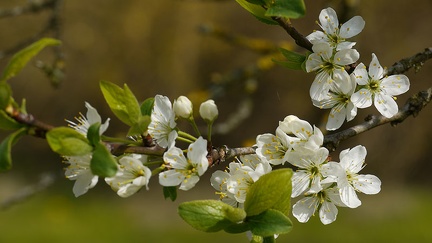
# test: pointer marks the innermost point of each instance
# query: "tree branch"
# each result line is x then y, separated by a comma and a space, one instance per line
412, 107
299, 39
415, 61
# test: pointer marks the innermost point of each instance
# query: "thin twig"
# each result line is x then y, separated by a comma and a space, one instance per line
299, 39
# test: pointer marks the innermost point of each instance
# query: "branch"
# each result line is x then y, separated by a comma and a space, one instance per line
415, 61
412, 107
300, 40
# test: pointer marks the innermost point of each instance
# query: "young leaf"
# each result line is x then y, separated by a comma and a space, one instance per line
20, 59
102, 162
68, 142
140, 127
122, 102
210, 215
292, 9
256, 10
170, 192
147, 106
271, 191
5, 95
93, 135
269, 223
7, 123
6, 147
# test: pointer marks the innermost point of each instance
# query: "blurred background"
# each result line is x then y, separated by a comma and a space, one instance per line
205, 48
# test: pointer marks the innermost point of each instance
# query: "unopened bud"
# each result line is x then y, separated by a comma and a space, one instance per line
208, 111
183, 107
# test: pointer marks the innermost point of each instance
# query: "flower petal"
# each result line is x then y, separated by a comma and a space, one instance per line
317, 37
353, 160
395, 84
360, 74
328, 212
300, 182
197, 153
170, 178
375, 69
305, 208
84, 182
386, 105
189, 183
349, 196
368, 184
346, 57
329, 21
352, 27
362, 98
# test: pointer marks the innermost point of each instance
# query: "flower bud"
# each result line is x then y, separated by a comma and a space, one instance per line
208, 111
183, 107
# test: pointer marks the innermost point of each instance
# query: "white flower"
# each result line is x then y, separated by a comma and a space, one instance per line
208, 111
185, 171
305, 136
273, 148
162, 125
339, 101
234, 185
79, 171
183, 107
329, 66
378, 88
352, 161
334, 35
309, 175
84, 122
324, 201
131, 175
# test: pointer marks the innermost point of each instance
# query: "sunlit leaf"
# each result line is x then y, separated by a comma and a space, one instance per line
6, 147
147, 106
68, 142
291, 9
256, 10
269, 223
5, 95
20, 59
210, 215
103, 162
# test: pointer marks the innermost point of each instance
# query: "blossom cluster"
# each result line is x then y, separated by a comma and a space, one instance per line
133, 170
322, 184
333, 87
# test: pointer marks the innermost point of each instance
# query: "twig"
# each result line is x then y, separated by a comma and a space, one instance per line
412, 107
415, 61
299, 39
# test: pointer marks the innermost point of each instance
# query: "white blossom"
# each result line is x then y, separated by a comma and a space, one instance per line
334, 34
377, 88
301, 134
84, 122
185, 171
183, 107
79, 171
162, 125
273, 148
131, 175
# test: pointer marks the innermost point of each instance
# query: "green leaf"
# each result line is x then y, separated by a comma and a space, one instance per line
269, 223
5, 95
147, 106
68, 142
170, 192
7, 123
122, 102
20, 59
291, 9
103, 162
140, 127
256, 10
93, 135
271, 191
257, 2
210, 215
6, 147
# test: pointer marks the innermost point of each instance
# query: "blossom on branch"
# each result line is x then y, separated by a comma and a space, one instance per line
377, 88
84, 122
80, 172
334, 34
185, 171
162, 125
131, 175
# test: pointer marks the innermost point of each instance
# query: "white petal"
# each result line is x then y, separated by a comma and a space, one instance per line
187, 184
170, 178
300, 182
128, 190
345, 45
305, 208
353, 160
313, 62
352, 27
84, 182
375, 70
92, 114
197, 153
336, 118
395, 84
320, 86
351, 110
360, 74
317, 37
328, 212
362, 98
329, 20
346, 57
368, 184
386, 105
349, 197
324, 50
175, 158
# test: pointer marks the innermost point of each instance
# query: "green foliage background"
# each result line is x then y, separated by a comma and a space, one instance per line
155, 48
